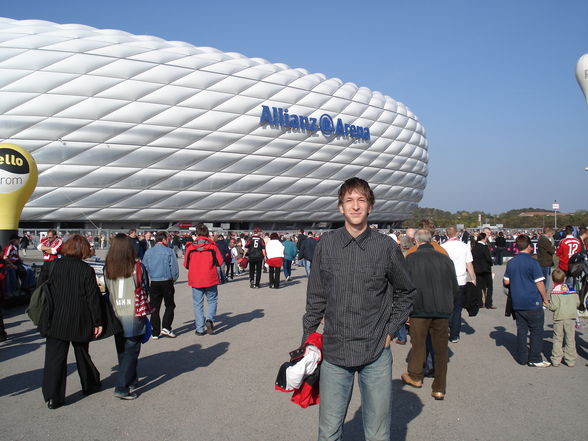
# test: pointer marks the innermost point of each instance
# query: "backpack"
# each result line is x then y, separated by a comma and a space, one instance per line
578, 264
40, 309
199, 249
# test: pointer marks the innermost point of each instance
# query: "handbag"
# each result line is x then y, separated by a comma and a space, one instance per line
142, 305
40, 309
110, 323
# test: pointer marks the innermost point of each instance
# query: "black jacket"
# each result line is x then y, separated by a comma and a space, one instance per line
482, 258
433, 274
307, 248
76, 300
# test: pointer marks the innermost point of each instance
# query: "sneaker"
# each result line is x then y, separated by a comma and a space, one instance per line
155, 337
454, 339
541, 364
251, 285
167, 333
125, 395
199, 333
570, 363
209, 327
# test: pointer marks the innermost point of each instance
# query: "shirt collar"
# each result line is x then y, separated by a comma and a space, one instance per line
345, 238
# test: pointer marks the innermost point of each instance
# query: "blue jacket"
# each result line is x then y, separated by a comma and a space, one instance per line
290, 250
161, 263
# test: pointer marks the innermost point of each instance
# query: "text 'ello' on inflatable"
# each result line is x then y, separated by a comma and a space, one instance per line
18, 179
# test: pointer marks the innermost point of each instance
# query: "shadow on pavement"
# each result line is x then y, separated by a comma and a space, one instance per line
223, 322
29, 381
20, 343
159, 368
466, 328
406, 406
506, 339
227, 321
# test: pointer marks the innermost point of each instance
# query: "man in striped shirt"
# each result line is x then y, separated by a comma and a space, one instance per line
50, 246
360, 287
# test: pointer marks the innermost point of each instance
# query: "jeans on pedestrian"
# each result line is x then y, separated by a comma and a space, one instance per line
287, 268
547, 274
402, 333
455, 318
127, 349
529, 323
375, 384
198, 295
307, 264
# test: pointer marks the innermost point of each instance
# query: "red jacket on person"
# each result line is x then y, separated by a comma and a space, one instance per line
199, 261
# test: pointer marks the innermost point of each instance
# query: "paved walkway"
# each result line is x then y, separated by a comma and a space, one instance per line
220, 388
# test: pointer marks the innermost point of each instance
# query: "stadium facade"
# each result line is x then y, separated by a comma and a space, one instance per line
131, 129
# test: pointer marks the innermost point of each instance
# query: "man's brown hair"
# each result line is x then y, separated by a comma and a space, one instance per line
360, 186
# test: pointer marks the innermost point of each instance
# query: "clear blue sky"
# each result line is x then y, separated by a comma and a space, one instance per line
492, 82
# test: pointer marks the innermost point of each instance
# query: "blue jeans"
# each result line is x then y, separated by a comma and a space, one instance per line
127, 349
529, 322
547, 274
455, 318
375, 384
287, 268
401, 333
198, 294
307, 264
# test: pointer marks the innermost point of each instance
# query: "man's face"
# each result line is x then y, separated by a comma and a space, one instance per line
50, 236
148, 235
355, 208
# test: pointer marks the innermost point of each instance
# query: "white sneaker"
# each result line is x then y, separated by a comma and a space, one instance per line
541, 364
167, 333
154, 337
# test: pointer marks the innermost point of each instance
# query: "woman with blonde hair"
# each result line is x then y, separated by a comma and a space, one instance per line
123, 273
76, 318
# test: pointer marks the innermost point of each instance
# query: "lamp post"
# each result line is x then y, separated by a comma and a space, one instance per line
555, 207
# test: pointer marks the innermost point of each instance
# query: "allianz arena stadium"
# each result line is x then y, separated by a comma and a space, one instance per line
132, 129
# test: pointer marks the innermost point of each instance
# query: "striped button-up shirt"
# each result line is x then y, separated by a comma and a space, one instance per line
362, 289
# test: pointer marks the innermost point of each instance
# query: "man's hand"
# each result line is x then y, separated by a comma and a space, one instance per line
388, 341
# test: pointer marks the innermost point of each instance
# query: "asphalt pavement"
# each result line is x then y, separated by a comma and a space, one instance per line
221, 387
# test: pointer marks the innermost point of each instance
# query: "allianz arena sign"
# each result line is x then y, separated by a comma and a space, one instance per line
136, 128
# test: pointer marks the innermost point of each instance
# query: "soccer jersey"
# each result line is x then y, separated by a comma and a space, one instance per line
566, 249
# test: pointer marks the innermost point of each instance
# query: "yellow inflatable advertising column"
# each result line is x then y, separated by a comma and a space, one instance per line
18, 179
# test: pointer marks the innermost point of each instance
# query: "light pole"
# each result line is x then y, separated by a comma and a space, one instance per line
555, 207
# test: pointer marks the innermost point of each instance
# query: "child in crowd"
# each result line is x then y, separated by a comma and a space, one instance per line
564, 304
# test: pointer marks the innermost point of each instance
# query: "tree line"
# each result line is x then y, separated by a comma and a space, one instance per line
509, 219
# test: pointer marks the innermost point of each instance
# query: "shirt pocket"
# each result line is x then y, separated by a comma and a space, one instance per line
374, 277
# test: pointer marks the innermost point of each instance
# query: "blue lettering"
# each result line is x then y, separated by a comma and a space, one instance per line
281, 116
339, 131
266, 116
276, 119
304, 122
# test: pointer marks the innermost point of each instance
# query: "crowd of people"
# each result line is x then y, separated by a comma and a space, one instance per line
433, 274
